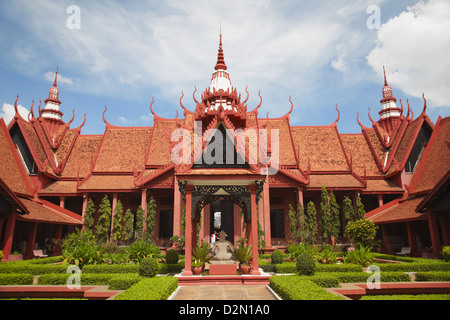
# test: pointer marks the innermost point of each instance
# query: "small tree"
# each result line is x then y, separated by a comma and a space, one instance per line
128, 226
103, 227
150, 220
311, 222
297, 224
349, 211
139, 224
360, 212
118, 222
335, 216
325, 219
88, 222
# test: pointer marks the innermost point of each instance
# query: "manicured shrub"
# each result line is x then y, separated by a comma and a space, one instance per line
299, 288
30, 268
148, 267
342, 267
123, 281
430, 265
433, 276
446, 254
172, 256
306, 264
111, 268
7, 279
157, 288
286, 267
277, 256
165, 268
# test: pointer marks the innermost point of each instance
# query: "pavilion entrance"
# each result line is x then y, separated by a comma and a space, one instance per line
222, 218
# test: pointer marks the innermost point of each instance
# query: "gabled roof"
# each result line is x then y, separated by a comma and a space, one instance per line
435, 161
12, 171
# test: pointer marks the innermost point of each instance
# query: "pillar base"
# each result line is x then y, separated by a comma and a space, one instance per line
187, 273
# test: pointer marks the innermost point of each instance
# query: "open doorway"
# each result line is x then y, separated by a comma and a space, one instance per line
222, 218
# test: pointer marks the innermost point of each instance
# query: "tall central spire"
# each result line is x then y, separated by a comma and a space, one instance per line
220, 65
220, 78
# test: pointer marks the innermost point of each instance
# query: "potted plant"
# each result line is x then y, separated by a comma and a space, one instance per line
197, 267
244, 255
200, 257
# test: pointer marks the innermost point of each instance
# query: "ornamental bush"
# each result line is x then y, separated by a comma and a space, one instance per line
306, 264
172, 256
158, 288
362, 232
148, 267
277, 256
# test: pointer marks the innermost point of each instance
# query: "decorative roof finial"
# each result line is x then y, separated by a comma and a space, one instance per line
220, 65
385, 79
55, 83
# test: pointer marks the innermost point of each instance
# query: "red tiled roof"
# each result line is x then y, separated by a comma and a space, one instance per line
59, 187
435, 162
123, 150
44, 211
363, 162
81, 156
397, 211
12, 171
334, 181
107, 182
382, 186
160, 143
321, 147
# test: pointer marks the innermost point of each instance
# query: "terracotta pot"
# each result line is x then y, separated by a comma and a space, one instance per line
245, 269
197, 270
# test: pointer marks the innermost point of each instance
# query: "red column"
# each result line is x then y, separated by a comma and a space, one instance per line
58, 236
62, 200
9, 233
31, 240
85, 204
266, 199
300, 196
114, 204
237, 222
144, 207
177, 209
253, 230
434, 233
188, 232
380, 200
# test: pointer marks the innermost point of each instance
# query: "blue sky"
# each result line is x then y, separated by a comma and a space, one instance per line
321, 53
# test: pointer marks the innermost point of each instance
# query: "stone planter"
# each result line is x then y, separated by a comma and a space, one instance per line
245, 269
197, 270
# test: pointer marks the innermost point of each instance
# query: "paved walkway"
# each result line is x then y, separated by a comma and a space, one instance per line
224, 292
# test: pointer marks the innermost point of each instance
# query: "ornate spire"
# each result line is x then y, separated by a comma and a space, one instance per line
387, 90
389, 111
53, 94
220, 65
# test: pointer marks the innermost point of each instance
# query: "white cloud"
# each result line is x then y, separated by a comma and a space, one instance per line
414, 47
8, 112
50, 77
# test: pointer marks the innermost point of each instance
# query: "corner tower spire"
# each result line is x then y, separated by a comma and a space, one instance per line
51, 113
389, 110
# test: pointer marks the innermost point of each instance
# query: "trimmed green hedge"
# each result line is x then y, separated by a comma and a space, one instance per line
166, 268
415, 266
32, 268
290, 267
115, 281
8, 279
111, 268
156, 288
299, 288
333, 279
433, 276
